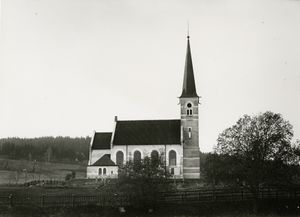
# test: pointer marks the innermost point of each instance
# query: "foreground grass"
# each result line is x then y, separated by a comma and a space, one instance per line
111, 212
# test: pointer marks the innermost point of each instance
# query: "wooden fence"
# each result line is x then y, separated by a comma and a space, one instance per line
114, 200
232, 194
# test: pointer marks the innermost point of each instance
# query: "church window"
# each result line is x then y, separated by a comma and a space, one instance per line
189, 110
100, 171
172, 158
172, 171
104, 171
190, 132
120, 158
154, 155
137, 156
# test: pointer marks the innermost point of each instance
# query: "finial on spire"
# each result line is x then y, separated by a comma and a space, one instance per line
188, 30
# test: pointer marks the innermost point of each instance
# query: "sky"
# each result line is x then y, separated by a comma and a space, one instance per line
69, 66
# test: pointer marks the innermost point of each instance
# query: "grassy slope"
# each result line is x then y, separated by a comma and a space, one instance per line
17, 171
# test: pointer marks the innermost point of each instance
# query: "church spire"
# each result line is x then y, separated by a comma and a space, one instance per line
189, 87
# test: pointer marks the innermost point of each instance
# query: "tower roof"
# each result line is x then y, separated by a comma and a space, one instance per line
189, 87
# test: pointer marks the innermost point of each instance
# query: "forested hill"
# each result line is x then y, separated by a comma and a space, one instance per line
49, 149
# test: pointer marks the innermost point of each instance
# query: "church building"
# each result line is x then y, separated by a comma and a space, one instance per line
175, 140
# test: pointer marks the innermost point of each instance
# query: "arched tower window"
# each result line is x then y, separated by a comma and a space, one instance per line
100, 171
172, 158
104, 171
137, 156
120, 158
190, 132
189, 110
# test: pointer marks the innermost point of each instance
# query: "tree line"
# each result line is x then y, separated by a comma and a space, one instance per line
49, 149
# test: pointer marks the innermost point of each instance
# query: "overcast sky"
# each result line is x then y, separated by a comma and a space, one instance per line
69, 66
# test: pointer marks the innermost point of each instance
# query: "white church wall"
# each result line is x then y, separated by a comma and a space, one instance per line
146, 151
93, 172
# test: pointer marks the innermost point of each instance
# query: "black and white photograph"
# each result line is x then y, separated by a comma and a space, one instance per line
149, 108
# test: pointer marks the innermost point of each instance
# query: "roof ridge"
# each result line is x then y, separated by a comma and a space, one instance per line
102, 132
151, 120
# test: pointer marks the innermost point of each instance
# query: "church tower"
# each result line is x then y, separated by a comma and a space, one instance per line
189, 101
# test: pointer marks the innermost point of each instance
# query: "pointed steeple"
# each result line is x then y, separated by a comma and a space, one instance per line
189, 87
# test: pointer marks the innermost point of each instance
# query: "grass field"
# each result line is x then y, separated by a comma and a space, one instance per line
20, 171
96, 212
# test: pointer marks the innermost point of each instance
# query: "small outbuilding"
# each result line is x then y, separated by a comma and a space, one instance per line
103, 168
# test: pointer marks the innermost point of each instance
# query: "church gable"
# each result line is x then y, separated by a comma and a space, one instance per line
147, 132
104, 161
101, 141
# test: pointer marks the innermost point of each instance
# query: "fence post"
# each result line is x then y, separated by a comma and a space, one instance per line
42, 200
242, 194
73, 200
10, 197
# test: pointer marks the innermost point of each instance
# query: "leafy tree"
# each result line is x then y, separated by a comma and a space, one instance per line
143, 180
260, 149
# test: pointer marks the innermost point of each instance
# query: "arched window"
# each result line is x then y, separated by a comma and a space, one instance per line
190, 132
120, 158
154, 155
189, 110
100, 171
104, 171
137, 156
172, 158
154, 158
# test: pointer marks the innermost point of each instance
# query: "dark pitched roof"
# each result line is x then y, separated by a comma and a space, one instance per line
104, 161
189, 87
101, 141
147, 132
